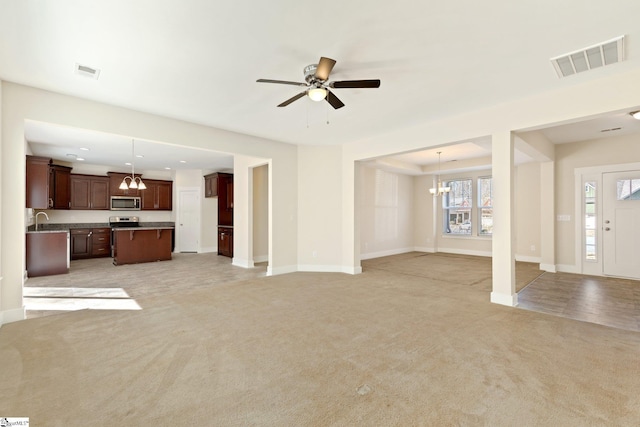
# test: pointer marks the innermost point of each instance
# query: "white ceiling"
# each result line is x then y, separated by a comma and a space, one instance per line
198, 60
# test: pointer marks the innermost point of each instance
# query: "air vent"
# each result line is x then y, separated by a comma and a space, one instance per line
86, 71
595, 56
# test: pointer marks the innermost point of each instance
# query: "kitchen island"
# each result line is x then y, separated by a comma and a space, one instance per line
132, 245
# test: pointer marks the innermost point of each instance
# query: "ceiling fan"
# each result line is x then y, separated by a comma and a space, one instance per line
317, 85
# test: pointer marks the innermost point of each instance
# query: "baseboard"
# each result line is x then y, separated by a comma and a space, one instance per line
550, 268
371, 255
465, 252
424, 249
244, 263
524, 258
504, 299
208, 249
330, 269
260, 258
275, 271
566, 268
15, 315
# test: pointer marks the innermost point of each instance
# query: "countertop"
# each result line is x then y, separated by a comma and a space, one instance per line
47, 231
42, 227
141, 228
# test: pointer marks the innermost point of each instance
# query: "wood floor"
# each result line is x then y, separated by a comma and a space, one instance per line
602, 300
606, 301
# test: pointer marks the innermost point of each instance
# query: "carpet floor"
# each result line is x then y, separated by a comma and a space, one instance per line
380, 348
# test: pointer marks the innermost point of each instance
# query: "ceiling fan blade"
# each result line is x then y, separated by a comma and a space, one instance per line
355, 84
324, 68
334, 101
282, 82
294, 98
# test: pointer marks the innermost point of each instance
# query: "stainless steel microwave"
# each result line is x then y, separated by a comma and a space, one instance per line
125, 203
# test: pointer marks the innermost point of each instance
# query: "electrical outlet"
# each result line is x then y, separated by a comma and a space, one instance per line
533, 248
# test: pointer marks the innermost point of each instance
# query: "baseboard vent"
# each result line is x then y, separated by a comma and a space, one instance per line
591, 57
87, 71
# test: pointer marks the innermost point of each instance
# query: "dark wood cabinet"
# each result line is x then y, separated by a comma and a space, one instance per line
89, 192
220, 185
157, 196
59, 187
225, 241
48, 186
80, 243
101, 242
135, 246
90, 242
211, 185
46, 254
37, 182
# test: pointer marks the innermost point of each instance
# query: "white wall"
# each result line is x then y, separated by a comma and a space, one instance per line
319, 209
527, 195
34, 104
386, 212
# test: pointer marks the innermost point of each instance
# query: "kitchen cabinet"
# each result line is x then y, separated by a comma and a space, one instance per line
101, 242
48, 186
132, 246
89, 192
225, 241
80, 243
59, 187
47, 253
37, 182
211, 185
157, 196
115, 179
220, 185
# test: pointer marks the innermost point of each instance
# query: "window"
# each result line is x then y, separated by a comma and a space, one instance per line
457, 205
628, 189
590, 246
485, 205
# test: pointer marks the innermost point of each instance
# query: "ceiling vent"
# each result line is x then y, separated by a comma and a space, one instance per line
87, 71
595, 56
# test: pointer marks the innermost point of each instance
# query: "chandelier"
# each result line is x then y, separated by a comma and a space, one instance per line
135, 182
440, 189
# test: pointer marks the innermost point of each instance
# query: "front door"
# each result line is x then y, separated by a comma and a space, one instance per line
621, 224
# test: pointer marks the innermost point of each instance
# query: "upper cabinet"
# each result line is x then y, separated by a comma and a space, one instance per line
59, 187
89, 192
157, 196
37, 182
220, 185
48, 186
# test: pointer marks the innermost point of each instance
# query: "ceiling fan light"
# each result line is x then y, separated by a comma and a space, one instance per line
133, 184
123, 185
141, 186
317, 94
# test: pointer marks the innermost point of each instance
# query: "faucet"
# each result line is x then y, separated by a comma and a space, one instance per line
43, 213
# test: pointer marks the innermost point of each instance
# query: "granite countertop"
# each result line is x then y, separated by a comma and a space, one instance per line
46, 231
142, 228
42, 227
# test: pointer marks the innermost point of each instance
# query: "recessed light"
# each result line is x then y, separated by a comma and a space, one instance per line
168, 168
84, 149
183, 161
128, 163
140, 156
80, 159
635, 115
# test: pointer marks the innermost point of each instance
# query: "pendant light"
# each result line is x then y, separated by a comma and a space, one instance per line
440, 189
135, 182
